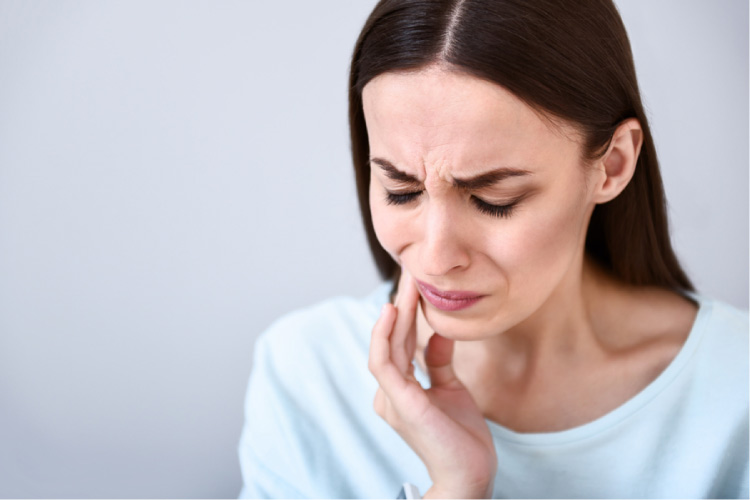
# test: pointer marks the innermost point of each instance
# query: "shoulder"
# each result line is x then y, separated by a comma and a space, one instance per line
723, 334
688, 326
716, 396
324, 330
714, 364
318, 353
309, 397
725, 317
700, 345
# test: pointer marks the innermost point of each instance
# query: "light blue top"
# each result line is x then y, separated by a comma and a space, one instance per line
311, 430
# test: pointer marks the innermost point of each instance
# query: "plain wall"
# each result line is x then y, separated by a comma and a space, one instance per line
175, 174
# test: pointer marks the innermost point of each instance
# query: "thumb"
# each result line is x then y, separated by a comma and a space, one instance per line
438, 359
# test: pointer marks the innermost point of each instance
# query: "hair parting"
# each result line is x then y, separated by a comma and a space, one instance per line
569, 60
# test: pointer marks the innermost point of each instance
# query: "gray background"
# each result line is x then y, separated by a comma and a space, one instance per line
175, 175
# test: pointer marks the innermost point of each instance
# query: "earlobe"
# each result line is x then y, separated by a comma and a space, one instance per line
619, 162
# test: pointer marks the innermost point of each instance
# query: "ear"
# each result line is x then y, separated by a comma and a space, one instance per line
618, 163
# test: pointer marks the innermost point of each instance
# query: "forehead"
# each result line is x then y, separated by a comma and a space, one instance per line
449, 117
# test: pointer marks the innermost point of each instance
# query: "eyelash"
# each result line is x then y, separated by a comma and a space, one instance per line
482, 206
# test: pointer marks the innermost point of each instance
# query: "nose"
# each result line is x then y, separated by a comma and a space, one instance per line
443, 247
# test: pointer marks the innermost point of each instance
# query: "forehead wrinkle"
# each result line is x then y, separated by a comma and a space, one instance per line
436, 161
435, 124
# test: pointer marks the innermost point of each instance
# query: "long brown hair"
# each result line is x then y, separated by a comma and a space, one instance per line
570, 59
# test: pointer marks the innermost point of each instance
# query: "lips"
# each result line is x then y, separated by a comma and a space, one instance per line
452, 300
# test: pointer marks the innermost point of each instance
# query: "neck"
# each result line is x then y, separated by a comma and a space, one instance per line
566, 320
570, 325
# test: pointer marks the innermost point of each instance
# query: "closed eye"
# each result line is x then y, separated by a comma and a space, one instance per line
493, 210
401, 198
479, 204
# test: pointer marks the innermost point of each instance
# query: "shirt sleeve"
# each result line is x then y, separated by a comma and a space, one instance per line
267, 452
260, 482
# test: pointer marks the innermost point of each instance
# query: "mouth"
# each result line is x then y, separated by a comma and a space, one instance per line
452, 300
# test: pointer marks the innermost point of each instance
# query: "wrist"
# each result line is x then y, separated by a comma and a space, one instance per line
475, 491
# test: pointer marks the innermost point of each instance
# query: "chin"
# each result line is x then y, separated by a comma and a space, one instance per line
457, 326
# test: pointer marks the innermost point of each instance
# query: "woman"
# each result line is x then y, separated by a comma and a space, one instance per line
543, 340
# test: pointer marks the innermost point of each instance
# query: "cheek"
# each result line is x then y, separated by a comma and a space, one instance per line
543, 245
390, 229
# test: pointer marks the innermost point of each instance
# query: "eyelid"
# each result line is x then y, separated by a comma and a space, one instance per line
498, 202
503, 210
394, 184
495, 210
392, 198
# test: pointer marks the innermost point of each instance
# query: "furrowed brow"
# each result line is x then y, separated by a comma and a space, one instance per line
393, 173
474, 183
489, 178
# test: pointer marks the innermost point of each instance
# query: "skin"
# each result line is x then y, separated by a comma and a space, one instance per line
555, 341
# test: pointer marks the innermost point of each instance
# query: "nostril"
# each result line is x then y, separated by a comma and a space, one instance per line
438, 260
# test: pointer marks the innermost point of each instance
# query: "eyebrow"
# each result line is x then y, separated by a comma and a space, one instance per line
473, 183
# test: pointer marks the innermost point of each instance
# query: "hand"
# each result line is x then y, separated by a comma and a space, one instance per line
443, 424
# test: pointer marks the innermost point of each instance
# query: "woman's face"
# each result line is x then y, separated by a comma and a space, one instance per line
483, 201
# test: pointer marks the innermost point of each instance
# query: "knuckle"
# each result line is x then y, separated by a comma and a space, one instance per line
395, 422
373, 366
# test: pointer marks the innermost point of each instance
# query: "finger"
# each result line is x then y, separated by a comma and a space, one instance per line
380, 350
423, 333
379, 403
439, 361
408, 295
404, 333
380, 363
406, 404
401, 393
385, 410
410, 348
